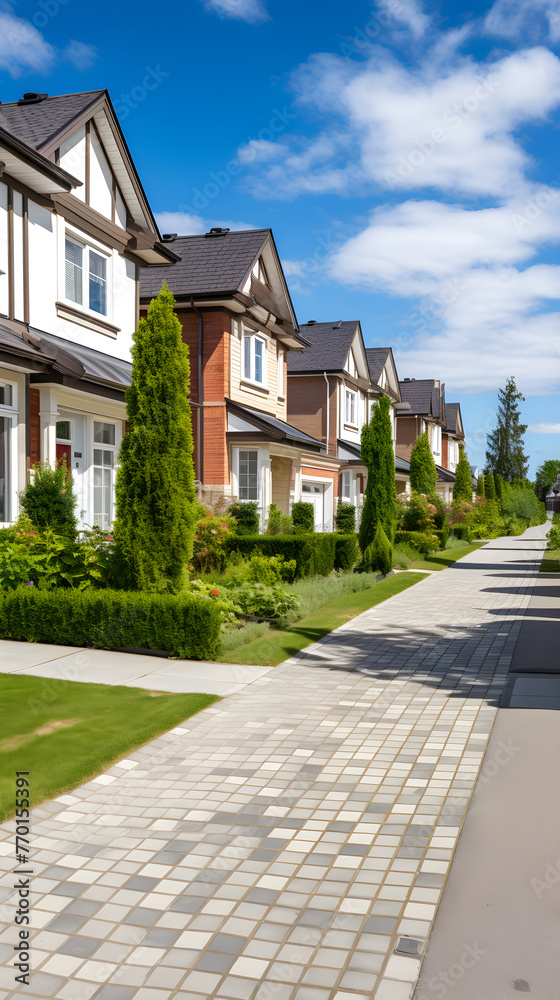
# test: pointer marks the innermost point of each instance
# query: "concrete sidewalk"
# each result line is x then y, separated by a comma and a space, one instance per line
100, 666
291, 842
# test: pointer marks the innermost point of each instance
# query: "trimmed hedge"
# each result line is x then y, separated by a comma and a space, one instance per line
187, 626
346, 551
345, 518
314, 554
462, 531
303, 516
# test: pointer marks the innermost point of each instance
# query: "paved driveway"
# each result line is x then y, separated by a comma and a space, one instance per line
291, 842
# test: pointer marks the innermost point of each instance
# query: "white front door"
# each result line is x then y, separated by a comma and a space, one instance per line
315, 493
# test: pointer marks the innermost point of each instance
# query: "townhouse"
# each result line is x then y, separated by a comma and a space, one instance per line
75, 231
423, 411
238, 320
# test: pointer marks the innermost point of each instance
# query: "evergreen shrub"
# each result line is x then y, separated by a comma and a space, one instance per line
186, 626
346, 551
49, 500
378, 556
345, 518
303, 516
314, 554
246, 514
423, 541
423, 472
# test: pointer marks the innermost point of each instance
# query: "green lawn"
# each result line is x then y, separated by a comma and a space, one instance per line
551, 561
66, 732
278, 645
445, 557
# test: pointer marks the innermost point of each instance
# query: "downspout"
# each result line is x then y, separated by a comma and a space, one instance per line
326, 378
200, 406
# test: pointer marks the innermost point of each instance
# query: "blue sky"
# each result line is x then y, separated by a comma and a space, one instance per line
406, 157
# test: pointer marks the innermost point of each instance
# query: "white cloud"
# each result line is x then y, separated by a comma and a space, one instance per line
260, 151
81, 55
252, 11
185, 224
544, 428
22, 47
409, 13
528, 20
451, 126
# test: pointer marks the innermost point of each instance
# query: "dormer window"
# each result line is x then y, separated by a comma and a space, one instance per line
259, 271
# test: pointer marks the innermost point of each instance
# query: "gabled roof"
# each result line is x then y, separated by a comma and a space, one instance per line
425, 395
377, 357
207, 265
329, 344
268, 424
453, 419
38, 124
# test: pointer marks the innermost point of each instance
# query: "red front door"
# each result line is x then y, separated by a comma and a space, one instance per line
64, 451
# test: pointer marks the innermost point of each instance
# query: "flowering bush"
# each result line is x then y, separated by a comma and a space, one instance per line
210, 534
417, 513
45, 559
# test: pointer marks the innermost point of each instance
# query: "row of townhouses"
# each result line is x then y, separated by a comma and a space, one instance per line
278, 407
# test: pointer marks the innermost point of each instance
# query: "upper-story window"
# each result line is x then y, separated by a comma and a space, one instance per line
85, 276
259, 271
254, 358
351, 365
350, 410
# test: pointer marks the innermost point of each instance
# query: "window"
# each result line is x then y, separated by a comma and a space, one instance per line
351, 364
280, 383
103, 474
347, 486
63, 432
260, 272
248, 475
85, 277
350, 412
253, 359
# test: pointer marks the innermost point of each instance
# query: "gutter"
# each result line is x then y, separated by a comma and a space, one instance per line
200, 404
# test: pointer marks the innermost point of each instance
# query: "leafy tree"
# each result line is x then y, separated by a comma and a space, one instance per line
546, 476
499, 487
480, 487
489, 486
505, 444
462, 489
49, 500
156, 502
379, 460
423, 472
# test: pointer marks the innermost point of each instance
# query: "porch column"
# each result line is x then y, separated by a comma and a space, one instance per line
48, 415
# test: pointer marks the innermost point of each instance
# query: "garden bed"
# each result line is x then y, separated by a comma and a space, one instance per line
445, 557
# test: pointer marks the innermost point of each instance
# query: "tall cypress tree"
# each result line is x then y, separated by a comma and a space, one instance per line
379, 459
480, 487
489, 486
155, 495
505, 444
463, 489
423, 472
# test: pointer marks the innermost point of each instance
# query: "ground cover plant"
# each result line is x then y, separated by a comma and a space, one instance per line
66, 732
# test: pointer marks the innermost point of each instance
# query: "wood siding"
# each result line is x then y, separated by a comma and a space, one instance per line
407, 428
281, 482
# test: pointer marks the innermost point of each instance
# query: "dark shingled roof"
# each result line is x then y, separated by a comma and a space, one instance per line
452, 410
401, 464
376, 358
207, 264
424, 396
278, 429
329, 346
38, 124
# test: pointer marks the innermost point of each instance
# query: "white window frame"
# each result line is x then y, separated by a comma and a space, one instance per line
9, 411
248, 499
280, 372
87, 247
251, 338
350, 396
114, 449
346, 488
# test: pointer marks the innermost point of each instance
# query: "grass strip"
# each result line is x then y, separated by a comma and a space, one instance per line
279, 644
445, 557
66, 732
551, 561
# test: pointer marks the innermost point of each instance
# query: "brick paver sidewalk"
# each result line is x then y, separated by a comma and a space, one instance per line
291, 842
